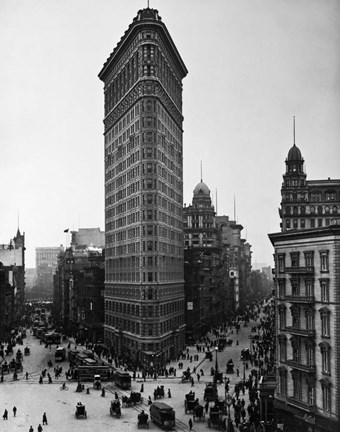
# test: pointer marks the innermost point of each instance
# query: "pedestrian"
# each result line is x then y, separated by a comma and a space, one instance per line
169, 393
44, 419
192, 382
142, 388
190, 423
14, 411
40, 379
5, 416
40, 429
31, 429
237, 372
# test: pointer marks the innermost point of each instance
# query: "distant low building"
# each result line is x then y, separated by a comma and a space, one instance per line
79, 286
46, 259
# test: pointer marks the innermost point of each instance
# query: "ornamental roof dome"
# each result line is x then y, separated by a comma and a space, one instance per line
294, 154
202, 189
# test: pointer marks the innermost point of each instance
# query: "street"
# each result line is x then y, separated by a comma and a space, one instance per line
33, 399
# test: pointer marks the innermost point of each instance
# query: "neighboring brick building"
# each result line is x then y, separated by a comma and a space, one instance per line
12, 256
307, 279
78, 296
202, 254
217, 265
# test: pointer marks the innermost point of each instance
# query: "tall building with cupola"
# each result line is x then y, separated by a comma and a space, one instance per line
144, 286
217, 265
307, 280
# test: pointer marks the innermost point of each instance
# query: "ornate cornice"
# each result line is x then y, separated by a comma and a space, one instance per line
143, 88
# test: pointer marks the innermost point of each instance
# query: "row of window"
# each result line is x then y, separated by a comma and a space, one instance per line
308, 260
305, 291
308, 317
311, 223
304, 389
306, 210
307, 356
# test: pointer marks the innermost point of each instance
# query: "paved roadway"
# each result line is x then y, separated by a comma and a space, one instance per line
32, 399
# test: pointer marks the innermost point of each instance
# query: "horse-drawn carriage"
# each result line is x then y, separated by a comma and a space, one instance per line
115, 408
186, 376
159, 393
245, 354
210, 391
208, 355
15, 365
215, 418
134, 399
218, 376
143, 420
80, 411
9, 349
18, 355
27, 351
230, 366
199, 414
190, 402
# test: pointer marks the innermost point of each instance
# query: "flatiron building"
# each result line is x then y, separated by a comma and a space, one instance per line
144, 280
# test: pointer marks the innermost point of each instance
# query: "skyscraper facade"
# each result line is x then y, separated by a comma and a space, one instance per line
144, 281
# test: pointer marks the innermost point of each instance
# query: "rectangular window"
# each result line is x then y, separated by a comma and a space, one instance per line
296, 387
311, 395
282, 288
324, 261
324, 284
295, 259
325, 325
283, 350
295, 288
283, 383
326, 398
281, 263
282, 319
309, 259
326, 361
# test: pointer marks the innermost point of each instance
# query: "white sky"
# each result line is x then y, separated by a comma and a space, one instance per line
253, 65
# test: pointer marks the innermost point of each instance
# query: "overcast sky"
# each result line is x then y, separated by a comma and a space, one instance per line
253, 65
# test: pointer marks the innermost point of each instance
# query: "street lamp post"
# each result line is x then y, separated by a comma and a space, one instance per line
216, 366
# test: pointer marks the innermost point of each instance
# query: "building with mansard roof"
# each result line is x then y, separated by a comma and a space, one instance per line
307, 281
